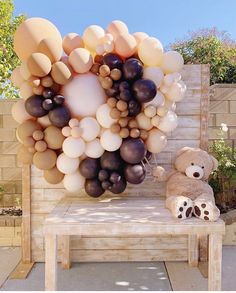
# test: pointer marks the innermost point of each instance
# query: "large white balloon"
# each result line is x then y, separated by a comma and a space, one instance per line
73, 147
156, 141
67, 165
110, 141
84, 94
92, 35
103, 116
176, 91
90, 128
158, 100
172, 62
150, 51
94, 149
168, 122
74, 182
155, 74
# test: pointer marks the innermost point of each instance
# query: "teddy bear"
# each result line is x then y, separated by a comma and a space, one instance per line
187, 190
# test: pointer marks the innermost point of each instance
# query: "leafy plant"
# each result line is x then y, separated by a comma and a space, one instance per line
8, 58
210, 46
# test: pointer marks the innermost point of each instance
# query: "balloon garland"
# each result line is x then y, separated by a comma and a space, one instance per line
93, 115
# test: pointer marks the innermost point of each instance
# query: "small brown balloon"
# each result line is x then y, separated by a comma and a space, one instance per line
28, 141
121, 105
135, 132
76, 131
53, 137
32, 150
115, 128
115, 113
38, 135
45, 160
53, 176
124, 133
34, 81
116, 74
38, 90
60, 73
124, 113
95, 68
112, 102
133, 123
104, 70
40, 146
143, 134
107, 83
39, 64
27, 129
56, 87
123, 122
24, 156
47, 81
98, 59
51, 48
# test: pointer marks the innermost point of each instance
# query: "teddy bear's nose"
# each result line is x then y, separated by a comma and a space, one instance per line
196, 174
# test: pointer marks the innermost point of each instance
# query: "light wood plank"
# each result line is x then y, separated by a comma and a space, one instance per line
50, 262
22, 270
65, 252
193, 250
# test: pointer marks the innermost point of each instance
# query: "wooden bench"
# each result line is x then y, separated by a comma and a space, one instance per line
126, 217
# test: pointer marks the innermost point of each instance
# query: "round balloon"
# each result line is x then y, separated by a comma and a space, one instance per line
150, 51
34, 106
24, 156
60, 73
90, 128
16, 77
53, 176
144, 90
111, 161
39, 64
92, 35
67, 165
135, 174
89, 168
93, 187
94, 149
155, 74
81, 60
72, 41
172, 62
117, 27
158, 100
74, 182
125, 45
156, 141
119, 186
53, 137
60, 116
19, 112
103, 116
45, 160
110, 141
51, 48
176, 91
133, 150
73, 147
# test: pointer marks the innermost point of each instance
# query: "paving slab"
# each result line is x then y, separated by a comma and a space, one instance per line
124, 276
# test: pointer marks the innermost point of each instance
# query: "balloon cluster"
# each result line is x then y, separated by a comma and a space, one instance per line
93, 115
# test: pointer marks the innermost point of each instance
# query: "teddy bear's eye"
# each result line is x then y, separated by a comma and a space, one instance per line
192, 164
202, 167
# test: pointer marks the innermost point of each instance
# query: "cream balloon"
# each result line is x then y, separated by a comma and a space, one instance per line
168, 122
73, 182
91, 36
84, 95
26, 90
171, 78
16, 77
156, 141
155, 74
172, 62
81, 60
150, 51
110, 141
103, 116
19, 113
140, 36
44, 121
72, 41
60, 73
39, 64
51, 48
94, 149
176, 91
125, 45
143, 121
117, 27
158, 100
73, 147
90, 128
30, 33
67, 165
24, 70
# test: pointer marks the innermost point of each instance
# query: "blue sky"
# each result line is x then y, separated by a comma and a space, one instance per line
167, 20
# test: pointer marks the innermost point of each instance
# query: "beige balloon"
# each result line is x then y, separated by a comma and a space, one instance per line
24, 156
110, 141
72, 41
117, 27
140, 36
155, 74
51, 48
44, 121
19, 113
45, 160
158, 100
39, 64
67, 165
16, 77
168, 122
24, 70
90, 128
73, 147
53, 176
74, 182
150, 51
143, 121
172, 62
60, 73
103, 116
94, 149
34, 81
26, 90
92, 35
30, 33
156, 141
81, 60
27, 129
176, 91
125, 45
53, 137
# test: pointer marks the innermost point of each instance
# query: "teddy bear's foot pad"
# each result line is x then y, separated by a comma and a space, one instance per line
206, 211
183, 209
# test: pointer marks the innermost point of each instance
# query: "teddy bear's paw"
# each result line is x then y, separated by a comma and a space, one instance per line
183, 208
206, 210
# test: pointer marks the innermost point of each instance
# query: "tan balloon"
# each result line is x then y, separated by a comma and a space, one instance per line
27, 129
125, 45
81, 60
51, 48
150, 51
47, 81
24, 70
60, 73
16, 77
140, 36
53, 137
73, 122
45, 160
38, 90
39, 64
30, 33
172, 62
24, 156
144, 122
40, 146
155, 74
34, 81
156, 141
117, 28
44, 121
19, 113
53, 176
66, 131
71, 42
92, 36
26, 90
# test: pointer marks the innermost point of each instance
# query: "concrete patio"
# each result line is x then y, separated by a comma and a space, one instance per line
141, 276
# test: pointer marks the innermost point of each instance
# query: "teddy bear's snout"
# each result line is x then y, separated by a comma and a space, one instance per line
195, 172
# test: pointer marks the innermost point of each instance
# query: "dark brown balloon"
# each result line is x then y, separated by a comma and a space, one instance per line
133, 150
135, 174
89, 168
112, 60
59, 116
132, 69
34, 106
111, 161
144, 90
119, 187
93, 187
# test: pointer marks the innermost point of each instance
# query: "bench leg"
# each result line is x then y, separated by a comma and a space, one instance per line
215, 260
193, 250
50, 262
65, 252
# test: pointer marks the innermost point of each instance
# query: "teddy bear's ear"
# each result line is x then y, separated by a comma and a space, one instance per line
215, 163
181, 151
